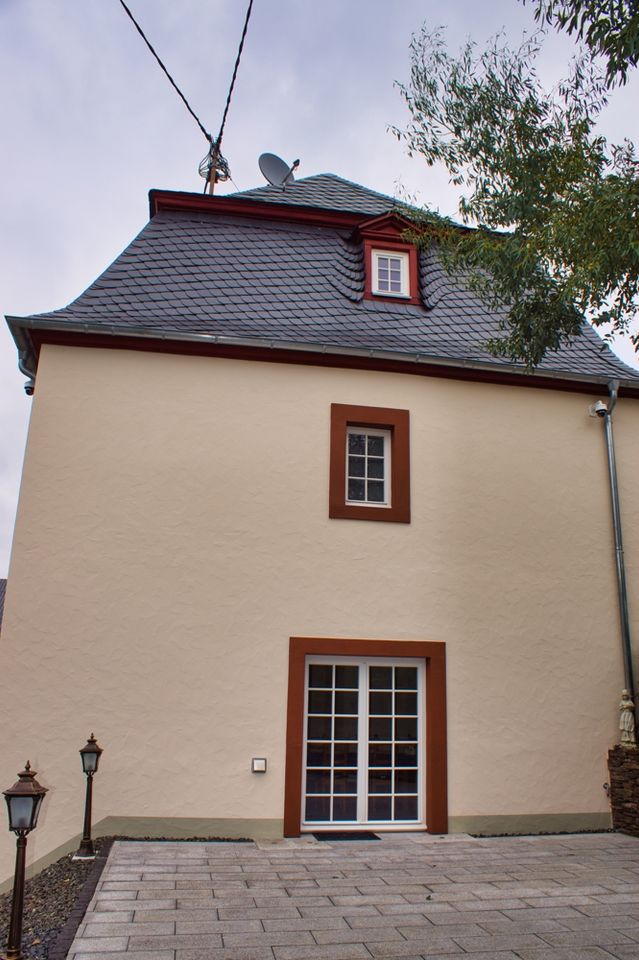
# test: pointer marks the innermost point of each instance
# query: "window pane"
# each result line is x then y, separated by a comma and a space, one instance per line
383, 263
375, 469
406, 781
379, 781
380, 703
356, 466
356, 490
405, 808
347, 677
344, 781
357, 443
318, 808
346, 701
380, 728
405, 755
380, 755
345, 728
395, 286
318, 755
318, 781
375, 446
319, 728
406, 678
379, 808
381, 678
320, 701
345, 754
395, 263
320, 675
344, 808
406, 728
406, 704
376, 491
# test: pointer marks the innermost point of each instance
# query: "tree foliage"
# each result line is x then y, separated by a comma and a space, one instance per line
609, 28
554, 208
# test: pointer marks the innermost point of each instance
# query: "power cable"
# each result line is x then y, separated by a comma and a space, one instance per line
214, 165
217, 166
168, 75
237, 63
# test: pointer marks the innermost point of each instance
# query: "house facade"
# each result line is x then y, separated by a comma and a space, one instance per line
300, 551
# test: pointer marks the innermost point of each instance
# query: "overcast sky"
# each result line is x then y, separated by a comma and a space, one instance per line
90, 124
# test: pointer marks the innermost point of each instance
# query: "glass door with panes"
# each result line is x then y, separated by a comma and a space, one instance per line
364, 742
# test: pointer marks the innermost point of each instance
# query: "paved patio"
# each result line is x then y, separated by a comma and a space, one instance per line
561, 898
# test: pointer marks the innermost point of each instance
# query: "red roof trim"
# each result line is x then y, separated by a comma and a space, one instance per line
259, 209
386, 225
302, 357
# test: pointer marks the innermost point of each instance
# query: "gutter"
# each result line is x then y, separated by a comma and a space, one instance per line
20, 326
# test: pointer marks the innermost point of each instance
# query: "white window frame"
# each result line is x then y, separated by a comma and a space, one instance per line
400, 255
371, 432
362, 823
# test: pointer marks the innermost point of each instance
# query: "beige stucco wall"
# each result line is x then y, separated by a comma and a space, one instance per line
172, 534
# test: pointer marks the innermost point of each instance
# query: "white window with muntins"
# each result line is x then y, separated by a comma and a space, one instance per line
390, 274
364, 747
368, 453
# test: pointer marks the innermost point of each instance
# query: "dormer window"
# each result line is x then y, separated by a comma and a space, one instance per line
390, 273
390, 260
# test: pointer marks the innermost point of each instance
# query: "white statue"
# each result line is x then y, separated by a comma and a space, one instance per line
627, 720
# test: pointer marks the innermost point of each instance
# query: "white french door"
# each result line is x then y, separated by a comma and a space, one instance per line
363, 742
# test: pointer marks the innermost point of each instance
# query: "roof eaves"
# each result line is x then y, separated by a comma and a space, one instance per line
24, 324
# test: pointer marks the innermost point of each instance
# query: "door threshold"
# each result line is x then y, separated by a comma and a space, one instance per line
334, 836
366, 828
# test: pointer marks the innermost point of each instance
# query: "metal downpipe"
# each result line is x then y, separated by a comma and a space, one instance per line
613, 388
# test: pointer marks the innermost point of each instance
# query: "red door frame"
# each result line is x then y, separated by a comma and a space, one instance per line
434, 655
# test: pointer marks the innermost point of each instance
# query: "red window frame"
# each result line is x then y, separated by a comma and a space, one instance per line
396, 422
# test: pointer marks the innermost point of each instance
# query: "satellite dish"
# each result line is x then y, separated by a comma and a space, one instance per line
276, 171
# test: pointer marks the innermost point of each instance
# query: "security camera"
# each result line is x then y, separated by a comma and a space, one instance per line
598, 409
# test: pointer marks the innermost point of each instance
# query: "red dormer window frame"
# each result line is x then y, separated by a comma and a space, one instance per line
384, 235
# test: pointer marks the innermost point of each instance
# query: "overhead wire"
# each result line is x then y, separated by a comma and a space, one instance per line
217, 165
235, 69
168, 75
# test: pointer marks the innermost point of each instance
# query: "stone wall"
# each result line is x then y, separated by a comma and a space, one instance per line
623, 765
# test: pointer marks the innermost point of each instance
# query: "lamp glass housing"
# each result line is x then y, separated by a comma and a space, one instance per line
24, 800
89, 761
23, 812
90, 754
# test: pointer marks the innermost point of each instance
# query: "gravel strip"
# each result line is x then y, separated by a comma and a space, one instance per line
49, 900
56, 898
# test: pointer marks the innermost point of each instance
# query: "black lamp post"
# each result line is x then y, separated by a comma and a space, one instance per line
24, 800
90, 754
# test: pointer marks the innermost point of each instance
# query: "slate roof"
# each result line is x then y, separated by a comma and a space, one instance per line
327, 191
280, 283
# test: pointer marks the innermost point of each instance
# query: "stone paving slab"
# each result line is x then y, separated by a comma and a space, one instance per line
405, 896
